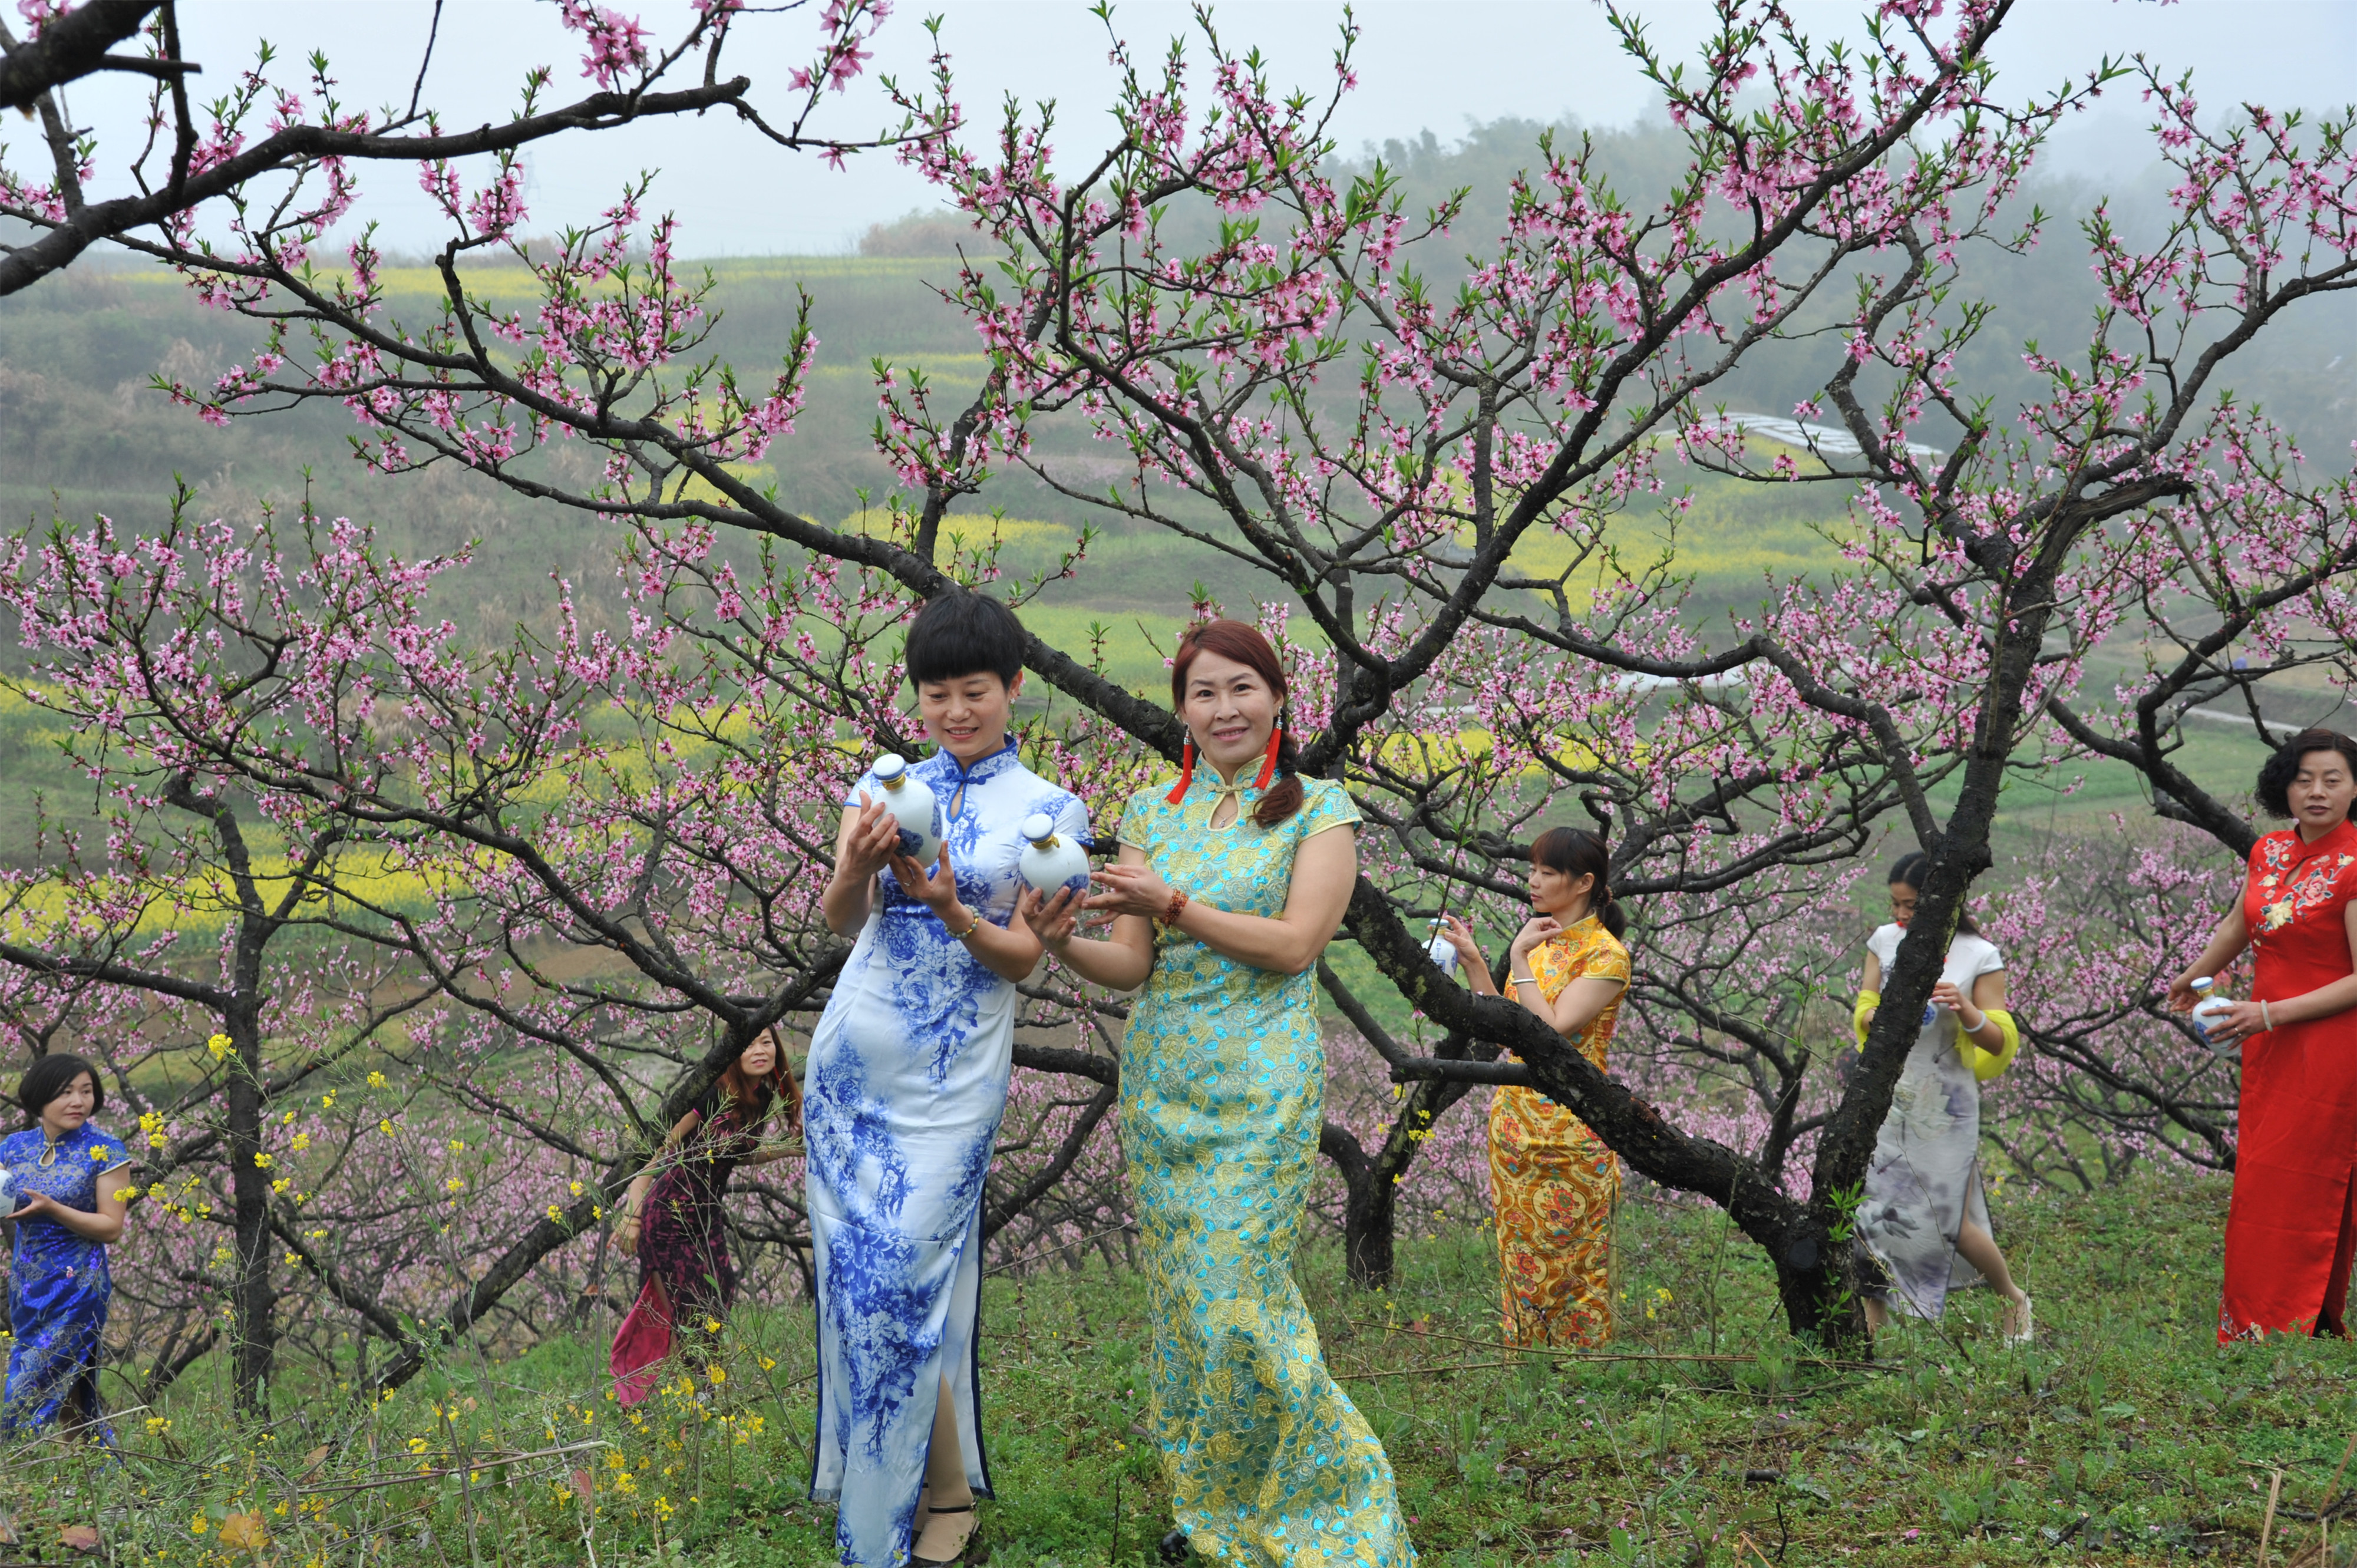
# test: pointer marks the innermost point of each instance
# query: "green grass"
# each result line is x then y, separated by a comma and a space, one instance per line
2124, 1436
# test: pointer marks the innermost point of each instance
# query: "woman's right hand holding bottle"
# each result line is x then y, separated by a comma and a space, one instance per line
875, 839
2181, 994
1459, 936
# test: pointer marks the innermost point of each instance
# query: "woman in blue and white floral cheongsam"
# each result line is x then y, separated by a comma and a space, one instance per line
69, 1181
905, 1084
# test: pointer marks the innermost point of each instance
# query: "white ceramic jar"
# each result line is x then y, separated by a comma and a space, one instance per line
1052, 863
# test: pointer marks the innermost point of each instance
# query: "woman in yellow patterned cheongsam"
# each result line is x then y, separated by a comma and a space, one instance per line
1554, 1181
1229, 886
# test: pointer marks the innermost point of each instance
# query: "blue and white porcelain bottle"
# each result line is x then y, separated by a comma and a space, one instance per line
913, 807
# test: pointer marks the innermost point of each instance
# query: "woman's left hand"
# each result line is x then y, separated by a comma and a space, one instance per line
1946, 994
2239, 1022
1536, 930
937, 889
1129, 890
39, 1206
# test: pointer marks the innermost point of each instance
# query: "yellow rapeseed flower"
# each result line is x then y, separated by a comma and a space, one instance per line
219, 1045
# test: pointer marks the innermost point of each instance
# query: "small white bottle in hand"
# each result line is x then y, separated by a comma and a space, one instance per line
2206, 1013
913, 807
1052, 863
1443, 951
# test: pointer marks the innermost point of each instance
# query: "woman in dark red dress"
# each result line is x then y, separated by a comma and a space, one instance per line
671, 1218
2292, 1227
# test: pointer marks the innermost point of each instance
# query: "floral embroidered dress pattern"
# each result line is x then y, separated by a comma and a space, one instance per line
1925, 1181
1222, 1096
1552, 1180
60, 1285
685, 1243
905, 1084
2291, 1229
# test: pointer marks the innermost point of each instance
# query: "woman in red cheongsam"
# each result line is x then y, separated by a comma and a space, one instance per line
2292, 1227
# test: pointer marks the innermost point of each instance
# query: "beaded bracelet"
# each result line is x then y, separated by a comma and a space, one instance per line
973, 927
1176, 907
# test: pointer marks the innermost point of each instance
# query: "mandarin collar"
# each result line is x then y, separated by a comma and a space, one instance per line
984, 768
2338, 838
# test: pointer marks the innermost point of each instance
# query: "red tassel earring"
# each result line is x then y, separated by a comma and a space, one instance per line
1186, 772
1268, 762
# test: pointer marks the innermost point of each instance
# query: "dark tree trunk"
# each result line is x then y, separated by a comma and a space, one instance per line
1371, 1182
1367, 1209
253, 1298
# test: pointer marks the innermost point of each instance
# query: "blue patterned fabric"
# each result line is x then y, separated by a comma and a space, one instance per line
905, 1088
58, 1282
1223, 1097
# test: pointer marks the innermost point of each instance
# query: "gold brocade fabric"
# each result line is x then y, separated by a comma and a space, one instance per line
1223, 1095
1554, 1181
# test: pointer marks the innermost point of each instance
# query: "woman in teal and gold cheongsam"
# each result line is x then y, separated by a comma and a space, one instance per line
1228, 888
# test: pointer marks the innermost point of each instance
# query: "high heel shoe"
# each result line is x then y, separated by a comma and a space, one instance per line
2029, 1327
1174, 1549
956, 1558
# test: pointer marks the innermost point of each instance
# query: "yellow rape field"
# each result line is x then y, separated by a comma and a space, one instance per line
204, 903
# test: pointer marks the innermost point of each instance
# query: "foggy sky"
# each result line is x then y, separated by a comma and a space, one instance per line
1423, 64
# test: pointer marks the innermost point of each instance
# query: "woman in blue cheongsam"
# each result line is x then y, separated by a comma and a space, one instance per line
905, 1084
68, 1182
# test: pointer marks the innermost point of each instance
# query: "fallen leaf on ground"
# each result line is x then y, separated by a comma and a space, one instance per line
81, 1538
244, 1530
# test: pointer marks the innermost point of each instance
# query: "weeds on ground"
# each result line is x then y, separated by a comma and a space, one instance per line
1707, 1435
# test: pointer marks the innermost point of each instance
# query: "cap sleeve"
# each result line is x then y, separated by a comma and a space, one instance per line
1136, 829
1884, 945
106, 1154
1607, 960
1324, 804
1986, 959
1072, 820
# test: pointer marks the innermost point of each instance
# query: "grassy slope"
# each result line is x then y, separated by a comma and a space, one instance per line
2125, 1433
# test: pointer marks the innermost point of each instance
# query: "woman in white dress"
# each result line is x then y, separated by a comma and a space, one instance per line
905, 1088
1924, 1222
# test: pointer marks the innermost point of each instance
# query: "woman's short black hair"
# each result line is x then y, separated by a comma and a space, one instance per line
2276, 774
959, 632
52, 1076
1910, 868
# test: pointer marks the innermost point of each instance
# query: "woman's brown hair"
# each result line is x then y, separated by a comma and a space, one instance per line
1245, 645
762, 1095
